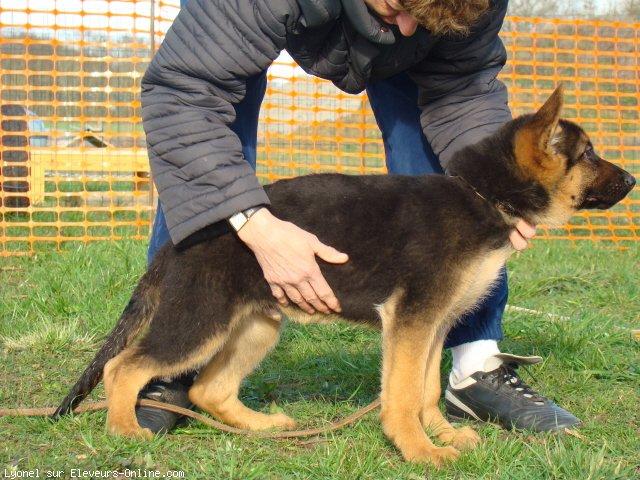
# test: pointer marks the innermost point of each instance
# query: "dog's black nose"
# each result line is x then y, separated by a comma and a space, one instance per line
629, 180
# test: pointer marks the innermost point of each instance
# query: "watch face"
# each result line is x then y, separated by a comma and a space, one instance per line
238, 220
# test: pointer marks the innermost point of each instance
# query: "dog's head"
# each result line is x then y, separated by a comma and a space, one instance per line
542, 168
557, 155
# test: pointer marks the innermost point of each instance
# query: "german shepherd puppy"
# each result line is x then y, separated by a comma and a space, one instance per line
423, 251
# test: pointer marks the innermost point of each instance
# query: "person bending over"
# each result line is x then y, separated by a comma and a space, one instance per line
429, 68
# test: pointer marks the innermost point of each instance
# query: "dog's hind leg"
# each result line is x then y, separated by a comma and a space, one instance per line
216, 387
406, 340
124, 376
431, 416
152, 357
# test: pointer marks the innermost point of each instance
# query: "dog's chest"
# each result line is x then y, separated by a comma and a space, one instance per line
476, 280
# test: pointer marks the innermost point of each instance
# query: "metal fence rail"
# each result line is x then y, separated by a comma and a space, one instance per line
73, 161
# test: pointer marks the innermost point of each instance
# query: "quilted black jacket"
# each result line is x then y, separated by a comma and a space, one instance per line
199, 72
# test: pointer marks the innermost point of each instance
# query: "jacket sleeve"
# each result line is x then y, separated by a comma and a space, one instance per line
461, 100
188, 96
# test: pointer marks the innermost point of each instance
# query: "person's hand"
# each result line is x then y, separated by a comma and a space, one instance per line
521, 235
286, 254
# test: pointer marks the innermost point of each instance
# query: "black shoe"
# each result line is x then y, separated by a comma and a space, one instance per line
496, 394
174, 392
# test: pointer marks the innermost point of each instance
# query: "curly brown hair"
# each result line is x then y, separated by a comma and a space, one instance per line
442, 17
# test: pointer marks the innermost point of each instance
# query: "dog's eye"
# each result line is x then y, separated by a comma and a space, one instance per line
588, 152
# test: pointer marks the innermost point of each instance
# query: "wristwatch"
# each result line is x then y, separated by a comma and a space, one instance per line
238, 220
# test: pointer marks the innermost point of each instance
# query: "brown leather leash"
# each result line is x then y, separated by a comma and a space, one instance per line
102, 405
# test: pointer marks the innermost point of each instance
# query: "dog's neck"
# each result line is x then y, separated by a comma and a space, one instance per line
507, 211
490, 169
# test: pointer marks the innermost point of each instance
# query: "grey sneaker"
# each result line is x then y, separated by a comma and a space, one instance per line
496, 394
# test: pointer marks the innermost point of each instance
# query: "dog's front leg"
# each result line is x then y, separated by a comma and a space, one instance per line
406, 342
464, 438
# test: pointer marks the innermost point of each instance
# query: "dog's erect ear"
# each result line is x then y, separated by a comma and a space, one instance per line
534, 142
545, 120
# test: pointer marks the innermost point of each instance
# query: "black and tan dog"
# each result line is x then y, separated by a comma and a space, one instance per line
423, 250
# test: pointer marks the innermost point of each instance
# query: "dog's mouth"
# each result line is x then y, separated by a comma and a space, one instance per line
598, 203
607, 199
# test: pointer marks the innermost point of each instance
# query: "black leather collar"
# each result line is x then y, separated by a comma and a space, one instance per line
500, 205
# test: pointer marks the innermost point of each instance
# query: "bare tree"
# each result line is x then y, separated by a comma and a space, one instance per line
534, 8
626, 10
587, 8
631, 9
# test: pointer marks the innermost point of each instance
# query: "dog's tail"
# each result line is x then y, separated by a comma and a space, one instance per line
136, 315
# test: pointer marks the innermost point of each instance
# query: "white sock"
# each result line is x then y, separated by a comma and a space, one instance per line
469, 358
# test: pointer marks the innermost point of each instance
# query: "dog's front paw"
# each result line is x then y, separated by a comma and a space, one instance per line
463, 438
431, 454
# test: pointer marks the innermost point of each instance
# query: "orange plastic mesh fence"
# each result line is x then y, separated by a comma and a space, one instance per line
73, 162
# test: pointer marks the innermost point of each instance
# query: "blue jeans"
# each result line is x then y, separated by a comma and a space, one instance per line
394, 103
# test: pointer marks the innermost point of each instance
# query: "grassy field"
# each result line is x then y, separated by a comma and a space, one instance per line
55, 308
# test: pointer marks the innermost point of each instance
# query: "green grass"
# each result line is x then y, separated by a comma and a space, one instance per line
56, 307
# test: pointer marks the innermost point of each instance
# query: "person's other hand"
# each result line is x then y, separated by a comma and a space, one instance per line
286, 254
521, 235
